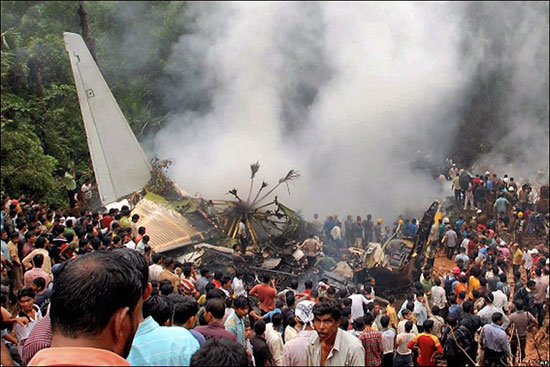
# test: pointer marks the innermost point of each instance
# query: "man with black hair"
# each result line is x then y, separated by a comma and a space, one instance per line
187, 282
266, 293
453, 337
40, 246
388, 341
35, 272
220, 352
214, 312
522, 321
166, 288
156, 267
185, 312
154, 344
160, 308
372, 342
235, 323
494, 342
168, 273
274, 338
332, 346
427, 345
203, 280
262, 355
95, 312
28, 246
404, 356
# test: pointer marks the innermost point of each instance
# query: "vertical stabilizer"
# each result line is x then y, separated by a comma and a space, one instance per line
120, 165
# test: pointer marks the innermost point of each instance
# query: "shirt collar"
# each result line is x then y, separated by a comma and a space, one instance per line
146, 326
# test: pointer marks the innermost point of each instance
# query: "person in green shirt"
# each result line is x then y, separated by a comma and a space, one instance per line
325, 262
70, 185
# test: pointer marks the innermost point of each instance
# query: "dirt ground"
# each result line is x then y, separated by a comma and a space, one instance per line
442, 265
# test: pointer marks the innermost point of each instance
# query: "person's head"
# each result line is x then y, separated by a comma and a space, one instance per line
497, 319
391, 299
241, 306
531, 284
25, 299
166, 287
215, 309
157, 258
38, 260
358, 324
135, 218
226, 282
38, 284
408, 326
519, 304
220, 352
160, 308
276, 320
259, 327
266, 278
467, 307
97, 300
385, 321
452, 321
169, 263
428, 325
326, 319
489, 298
308, 284
205, 272
406, 313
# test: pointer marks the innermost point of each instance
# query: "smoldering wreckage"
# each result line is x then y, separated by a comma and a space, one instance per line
204, 232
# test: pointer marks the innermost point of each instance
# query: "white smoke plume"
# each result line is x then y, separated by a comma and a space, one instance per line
349, 94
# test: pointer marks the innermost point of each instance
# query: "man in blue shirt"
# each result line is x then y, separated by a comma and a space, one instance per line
235, 322
495, 342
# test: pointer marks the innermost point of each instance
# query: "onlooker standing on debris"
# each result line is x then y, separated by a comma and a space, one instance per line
243, 236
312, 248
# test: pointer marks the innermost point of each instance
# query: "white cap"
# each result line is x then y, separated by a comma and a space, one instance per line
446, 220
533, 251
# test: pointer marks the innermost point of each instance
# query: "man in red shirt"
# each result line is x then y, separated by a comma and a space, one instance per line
266, 294
427, 344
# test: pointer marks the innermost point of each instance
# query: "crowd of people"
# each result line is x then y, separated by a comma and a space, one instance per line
86, 289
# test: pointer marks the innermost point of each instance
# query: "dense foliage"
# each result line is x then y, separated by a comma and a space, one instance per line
42, 130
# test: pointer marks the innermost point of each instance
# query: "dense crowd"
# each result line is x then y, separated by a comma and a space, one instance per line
84, 287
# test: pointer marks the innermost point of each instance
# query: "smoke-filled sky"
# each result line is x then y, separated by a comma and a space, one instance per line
347, 93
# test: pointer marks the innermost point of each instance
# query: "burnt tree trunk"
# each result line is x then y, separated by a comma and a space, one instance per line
90, 42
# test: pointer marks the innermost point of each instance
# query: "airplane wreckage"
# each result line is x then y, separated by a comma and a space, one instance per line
193, 229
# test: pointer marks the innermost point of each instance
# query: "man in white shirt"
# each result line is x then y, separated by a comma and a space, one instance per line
237, 285
357, 302
500, 299
156, 268
274, 338
406, 317
439, 298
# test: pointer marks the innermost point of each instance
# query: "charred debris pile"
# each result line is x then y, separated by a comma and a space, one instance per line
275, 231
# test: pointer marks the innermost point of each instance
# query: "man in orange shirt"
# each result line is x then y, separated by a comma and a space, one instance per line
427, 344
461, 285
266, 294
95, 311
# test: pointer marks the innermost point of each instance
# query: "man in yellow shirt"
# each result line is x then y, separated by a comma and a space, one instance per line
517, 256
390, 312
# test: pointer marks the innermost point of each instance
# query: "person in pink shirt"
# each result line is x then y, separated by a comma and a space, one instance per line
36, 272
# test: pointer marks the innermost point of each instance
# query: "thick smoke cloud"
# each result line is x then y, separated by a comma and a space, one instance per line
349, 94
